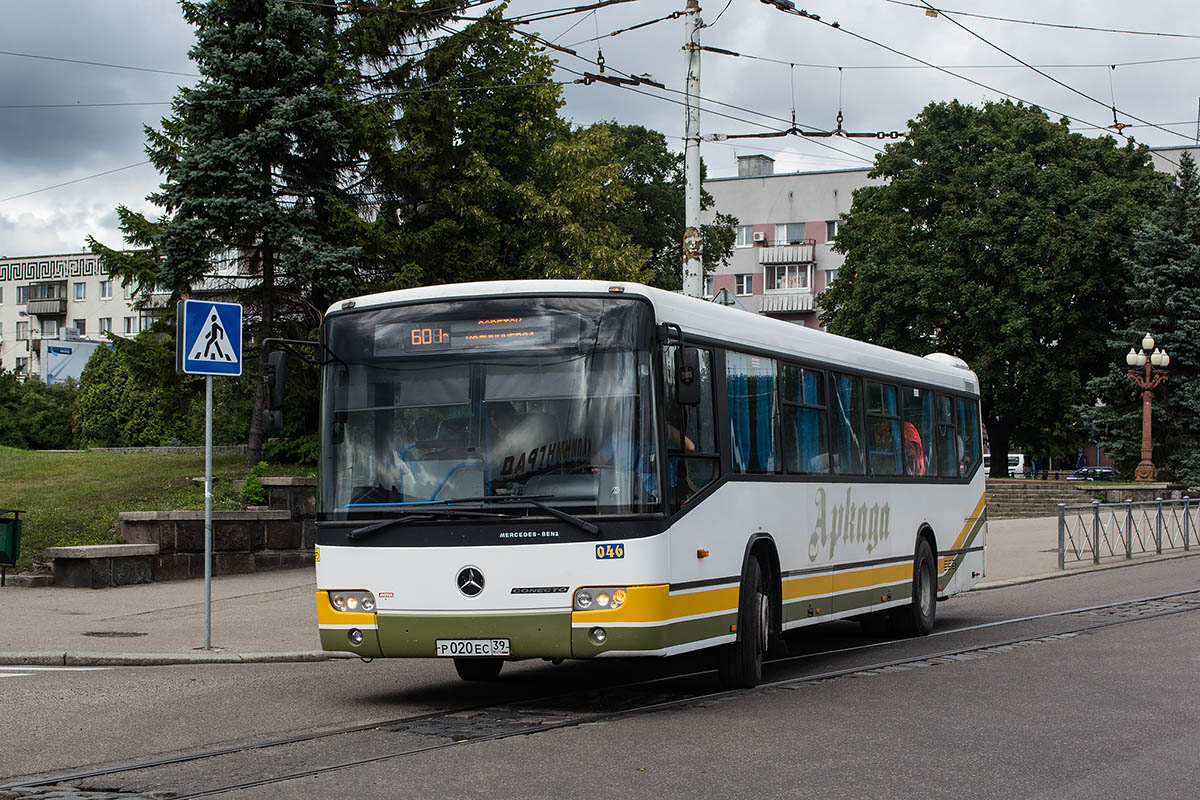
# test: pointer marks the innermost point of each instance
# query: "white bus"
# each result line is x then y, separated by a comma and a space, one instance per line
582, 469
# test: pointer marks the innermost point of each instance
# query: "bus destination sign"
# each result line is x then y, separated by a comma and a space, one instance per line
495, 333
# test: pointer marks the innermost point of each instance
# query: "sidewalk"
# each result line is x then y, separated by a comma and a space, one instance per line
271, 616
266, 616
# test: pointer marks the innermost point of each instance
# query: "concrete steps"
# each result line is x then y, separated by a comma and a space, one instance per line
1015, 498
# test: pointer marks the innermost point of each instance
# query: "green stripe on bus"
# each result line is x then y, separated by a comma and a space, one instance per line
944, 580
539, 635
652, 637
338, 641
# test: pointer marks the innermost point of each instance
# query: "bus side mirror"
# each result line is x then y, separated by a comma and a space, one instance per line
276, 380
687, 376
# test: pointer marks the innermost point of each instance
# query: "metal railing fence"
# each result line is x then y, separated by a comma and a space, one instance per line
1123, 529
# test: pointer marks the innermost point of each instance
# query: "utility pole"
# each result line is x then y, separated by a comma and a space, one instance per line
693, 271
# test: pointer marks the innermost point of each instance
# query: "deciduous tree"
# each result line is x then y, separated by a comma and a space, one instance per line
1001, 237
1163, 299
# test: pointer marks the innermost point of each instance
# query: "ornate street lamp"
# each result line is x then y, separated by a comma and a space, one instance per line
1147, 381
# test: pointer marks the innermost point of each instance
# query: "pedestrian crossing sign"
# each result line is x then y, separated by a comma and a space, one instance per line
209, 338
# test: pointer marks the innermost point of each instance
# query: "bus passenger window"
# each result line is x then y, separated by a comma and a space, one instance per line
692, 461
805, 421
751, 382
917, 431
968, 432
848, 456
948, 446
883, 429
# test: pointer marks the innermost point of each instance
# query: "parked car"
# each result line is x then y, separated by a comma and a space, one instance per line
1016, 465
1093, 474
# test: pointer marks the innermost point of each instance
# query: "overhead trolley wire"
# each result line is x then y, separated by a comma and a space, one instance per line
737, 54
926, 8
1068, 87
843, 29
77, 180
98, 64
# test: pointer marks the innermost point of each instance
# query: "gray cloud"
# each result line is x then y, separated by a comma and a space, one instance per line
39, 148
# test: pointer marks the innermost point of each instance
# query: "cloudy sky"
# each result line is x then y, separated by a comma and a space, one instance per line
63, 123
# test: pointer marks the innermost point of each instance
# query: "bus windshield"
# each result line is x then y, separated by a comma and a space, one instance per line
453, 404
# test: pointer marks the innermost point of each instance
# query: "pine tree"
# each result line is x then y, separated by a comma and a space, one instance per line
1164, 300
254, 159
473, 173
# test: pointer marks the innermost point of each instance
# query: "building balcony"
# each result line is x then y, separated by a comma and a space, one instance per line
786, 301
792, 253
54, 307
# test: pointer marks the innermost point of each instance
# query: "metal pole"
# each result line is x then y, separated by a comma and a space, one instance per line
693, 281
1095, 531
1186, 511
1129, 528
1062, 538
1158, 529
208, 534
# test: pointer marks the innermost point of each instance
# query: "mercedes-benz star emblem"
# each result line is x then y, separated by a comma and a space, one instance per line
470, 581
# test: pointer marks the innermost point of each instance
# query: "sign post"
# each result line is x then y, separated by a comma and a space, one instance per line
208, 342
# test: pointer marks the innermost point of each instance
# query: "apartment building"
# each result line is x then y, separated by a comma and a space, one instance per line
783, 257
44, 299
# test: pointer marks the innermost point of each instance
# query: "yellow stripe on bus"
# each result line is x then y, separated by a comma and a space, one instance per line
655, 603
970, 522
328, 615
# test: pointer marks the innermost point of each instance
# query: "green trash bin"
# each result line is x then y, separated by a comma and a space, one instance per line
10, 539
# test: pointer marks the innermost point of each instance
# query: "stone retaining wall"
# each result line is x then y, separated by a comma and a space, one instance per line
281, 536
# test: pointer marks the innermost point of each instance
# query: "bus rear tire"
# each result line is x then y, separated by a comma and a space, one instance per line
478, 669
916, 618
739, 663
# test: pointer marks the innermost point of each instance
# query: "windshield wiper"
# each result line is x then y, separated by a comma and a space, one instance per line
423, 512
424, 515
533, 500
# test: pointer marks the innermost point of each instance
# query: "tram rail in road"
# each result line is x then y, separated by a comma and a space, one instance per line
529, 716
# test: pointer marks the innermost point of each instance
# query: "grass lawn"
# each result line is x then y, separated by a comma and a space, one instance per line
74, 498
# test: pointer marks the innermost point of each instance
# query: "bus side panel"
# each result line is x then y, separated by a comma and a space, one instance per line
844, 548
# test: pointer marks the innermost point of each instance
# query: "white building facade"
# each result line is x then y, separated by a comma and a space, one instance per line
49, 298
787, 224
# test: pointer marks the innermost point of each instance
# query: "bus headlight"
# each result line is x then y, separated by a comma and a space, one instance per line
599, 598
353, 602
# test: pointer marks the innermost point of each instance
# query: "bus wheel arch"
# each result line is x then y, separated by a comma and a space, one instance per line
917, 618
739, 663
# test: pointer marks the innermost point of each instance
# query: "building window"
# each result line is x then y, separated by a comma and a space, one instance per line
106, 290
80, 325
788, 276
106, 323
1, 295
743, 284
131, 324
831, 229
22, 294
745, 236
789, 233
81, 291
22, 365
50, 329
708, 285
830, 276
22, 330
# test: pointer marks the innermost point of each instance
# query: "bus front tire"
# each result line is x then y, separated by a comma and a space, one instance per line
916, 618
478, 669
739, 663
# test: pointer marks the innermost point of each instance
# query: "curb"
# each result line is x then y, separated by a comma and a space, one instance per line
1067, 573
85, 659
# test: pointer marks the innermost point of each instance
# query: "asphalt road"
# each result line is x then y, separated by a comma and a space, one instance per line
1107, 713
